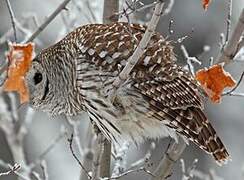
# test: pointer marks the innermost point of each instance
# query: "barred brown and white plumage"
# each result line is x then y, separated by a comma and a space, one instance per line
159, 98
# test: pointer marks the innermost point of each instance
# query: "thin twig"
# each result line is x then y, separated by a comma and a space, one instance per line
123, 76
169, 7
125, 12
48, 20
236, 94
35, 175
190, 60
120, 159
75, 128
70, 140
172, 154
236, 86
12, 19
141, 169
228, 21
44, 170
232, 46
145, 159
13, 169
170, 30
7, 166
187, 174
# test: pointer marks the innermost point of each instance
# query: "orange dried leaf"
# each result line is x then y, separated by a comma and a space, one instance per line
205, 4
214, 80
19, 57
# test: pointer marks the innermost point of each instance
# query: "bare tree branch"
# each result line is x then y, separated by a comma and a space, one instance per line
97, 160
48, 20
232, 46
88, 152
102, 155
164, 169
14, 133
12, 19
110, 7
228, 21
123, 76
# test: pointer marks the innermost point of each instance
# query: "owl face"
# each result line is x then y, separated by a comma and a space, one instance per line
51, 84
38, 85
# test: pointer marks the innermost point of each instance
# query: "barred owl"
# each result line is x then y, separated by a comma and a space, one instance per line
75, 74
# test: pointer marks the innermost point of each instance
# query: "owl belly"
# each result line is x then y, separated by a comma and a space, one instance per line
127, 118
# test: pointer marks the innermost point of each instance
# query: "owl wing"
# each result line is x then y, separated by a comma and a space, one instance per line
174, 99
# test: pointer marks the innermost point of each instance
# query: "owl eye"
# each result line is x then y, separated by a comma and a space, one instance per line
37, 78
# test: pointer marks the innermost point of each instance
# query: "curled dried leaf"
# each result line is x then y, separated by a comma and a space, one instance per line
205, 4
214, 80
19, 57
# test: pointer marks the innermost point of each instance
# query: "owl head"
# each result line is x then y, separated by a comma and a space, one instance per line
51, 83
39, 86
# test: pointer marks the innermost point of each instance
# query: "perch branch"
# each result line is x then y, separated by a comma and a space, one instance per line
49, 19
123, 76
88, 152
102, 155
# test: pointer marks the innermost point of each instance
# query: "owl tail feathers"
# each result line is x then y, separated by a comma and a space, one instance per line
214, 145
221, 156
211, 143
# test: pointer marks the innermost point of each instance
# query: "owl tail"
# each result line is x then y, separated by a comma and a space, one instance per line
212, 143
